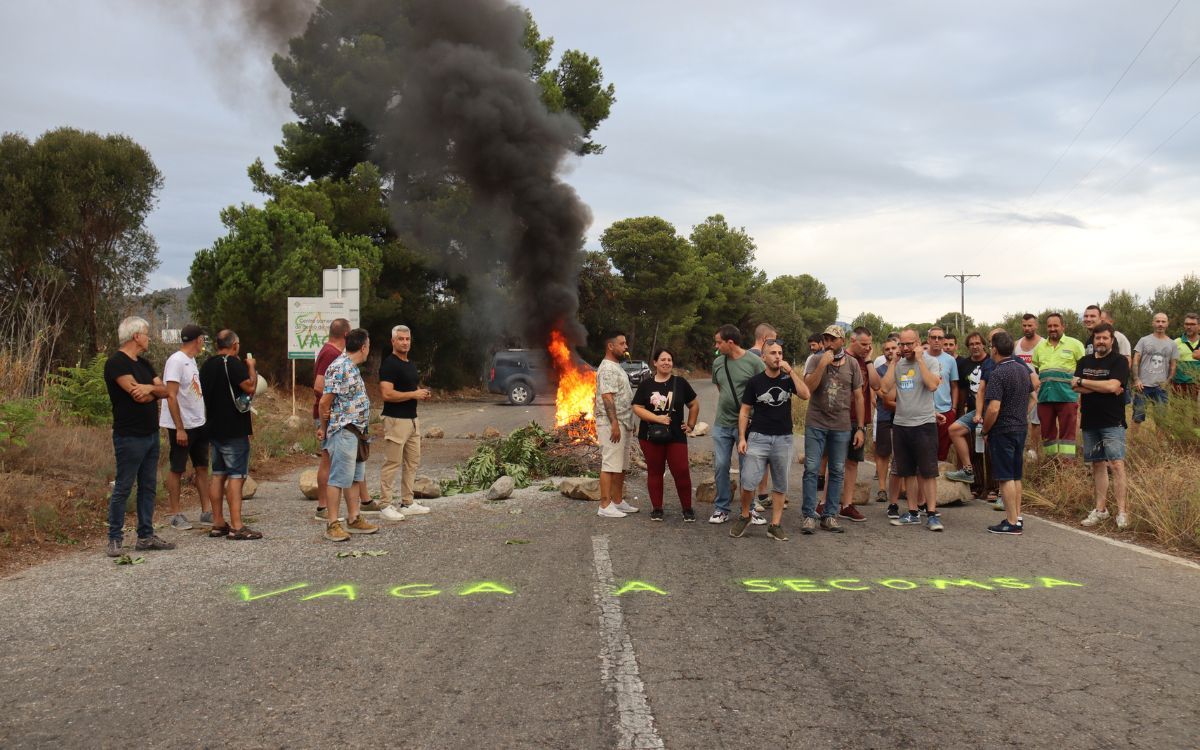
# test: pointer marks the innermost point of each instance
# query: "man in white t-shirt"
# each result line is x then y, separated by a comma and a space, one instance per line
1023, 350
184, 407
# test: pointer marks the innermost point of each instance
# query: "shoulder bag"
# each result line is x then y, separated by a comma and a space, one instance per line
241, 401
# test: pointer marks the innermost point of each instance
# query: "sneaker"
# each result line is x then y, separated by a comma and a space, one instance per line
1122, 521
718, 516
758, 507
739, 526
179, 522
689, 516
998, 504
830, 523
852, 513
360, 525
114, 548
935, 523
775, 531
908, 518
153, 542
757, 520
371, 507
893, 511
1004, 527
335, 533
206, 519
610, 511
809, 525
1095, 517
415, 509
625, 507
391, 514
322, 514
881, 496
656, 514
763, 503
964, 475
922, 509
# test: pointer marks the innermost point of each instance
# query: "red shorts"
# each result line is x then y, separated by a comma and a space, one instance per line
943, 430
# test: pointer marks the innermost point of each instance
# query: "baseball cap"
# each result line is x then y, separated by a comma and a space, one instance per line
835, 331
191, 332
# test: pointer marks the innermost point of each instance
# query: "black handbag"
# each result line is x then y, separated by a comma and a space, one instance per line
364, 444
661, 433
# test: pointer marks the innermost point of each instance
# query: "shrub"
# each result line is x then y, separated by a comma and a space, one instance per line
16, 419
81, 394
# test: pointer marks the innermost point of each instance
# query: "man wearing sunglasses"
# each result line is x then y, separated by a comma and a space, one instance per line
946, 396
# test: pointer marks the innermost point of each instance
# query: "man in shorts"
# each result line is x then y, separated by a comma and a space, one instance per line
1006, 406
912, 381
331, 350
1155, 359
223, 378
885, 409
614, 425
946, 395
1100, 379
345, 413
183, 419
765, 435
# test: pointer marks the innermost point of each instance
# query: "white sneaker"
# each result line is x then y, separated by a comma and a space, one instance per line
757, 520
416, 509
718, 516
1095, 517
1122, 521
758, 507
391, 514
625, 507
610, 511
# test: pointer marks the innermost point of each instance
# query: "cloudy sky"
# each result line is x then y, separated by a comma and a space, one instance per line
874, 145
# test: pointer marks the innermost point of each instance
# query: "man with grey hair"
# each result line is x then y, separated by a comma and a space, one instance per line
134, 390
400, 387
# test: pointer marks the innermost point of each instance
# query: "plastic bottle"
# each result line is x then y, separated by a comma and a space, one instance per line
979, 438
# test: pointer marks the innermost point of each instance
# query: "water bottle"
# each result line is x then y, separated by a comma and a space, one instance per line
979, 438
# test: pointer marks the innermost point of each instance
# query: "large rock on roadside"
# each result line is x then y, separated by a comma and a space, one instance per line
490, 432
435, 433
700, 430
249, 487
426, 487
308, 483
501, 488
706, 491
580, 488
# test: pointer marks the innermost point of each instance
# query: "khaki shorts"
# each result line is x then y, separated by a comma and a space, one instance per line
614, 457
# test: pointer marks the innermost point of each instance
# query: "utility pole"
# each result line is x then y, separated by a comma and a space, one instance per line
962, 279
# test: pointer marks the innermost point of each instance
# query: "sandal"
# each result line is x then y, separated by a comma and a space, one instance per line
244, 533
221, 530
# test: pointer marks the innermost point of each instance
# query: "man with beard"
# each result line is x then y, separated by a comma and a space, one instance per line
1058, 406
1100, 378
1006, 394
974, 370
1187, 375
859, 350
946, 395
1029, 341
836, 384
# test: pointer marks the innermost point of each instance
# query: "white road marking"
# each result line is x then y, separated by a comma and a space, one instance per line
1119, 543
618, 660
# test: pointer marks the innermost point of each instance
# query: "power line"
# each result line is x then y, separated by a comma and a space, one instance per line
962, 279
1145, 159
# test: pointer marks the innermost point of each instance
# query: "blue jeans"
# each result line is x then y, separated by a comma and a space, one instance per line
819, 441
1154, 393
724, 439
137, 458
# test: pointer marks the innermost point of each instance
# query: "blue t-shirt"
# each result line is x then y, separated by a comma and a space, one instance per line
882, 413
941, 397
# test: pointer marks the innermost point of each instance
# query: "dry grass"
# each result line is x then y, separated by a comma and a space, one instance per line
1163, 466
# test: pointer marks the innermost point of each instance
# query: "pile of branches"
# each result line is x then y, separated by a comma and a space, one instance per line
528, 453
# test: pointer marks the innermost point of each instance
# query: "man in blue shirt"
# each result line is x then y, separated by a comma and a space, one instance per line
946, 395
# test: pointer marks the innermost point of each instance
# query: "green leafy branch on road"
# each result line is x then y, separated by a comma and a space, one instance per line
530, 452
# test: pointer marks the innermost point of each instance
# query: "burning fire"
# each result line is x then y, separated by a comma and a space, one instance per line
576, 397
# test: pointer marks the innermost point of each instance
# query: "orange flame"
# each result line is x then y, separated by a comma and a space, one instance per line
576, 397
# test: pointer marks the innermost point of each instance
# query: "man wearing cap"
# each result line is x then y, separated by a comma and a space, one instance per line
183, 419
836, 385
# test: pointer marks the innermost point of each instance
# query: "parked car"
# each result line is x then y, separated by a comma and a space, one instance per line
637, 370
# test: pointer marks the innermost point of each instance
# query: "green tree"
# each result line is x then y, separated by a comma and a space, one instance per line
73, 206
878, 327
725, 257
334, 71
1131, 316
601, 291
660, 277
796, 306
268, 254
1177, 300
954, 322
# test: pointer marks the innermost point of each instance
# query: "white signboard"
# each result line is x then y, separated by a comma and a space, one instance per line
308, 318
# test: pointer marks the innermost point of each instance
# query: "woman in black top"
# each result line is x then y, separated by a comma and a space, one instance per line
659, 403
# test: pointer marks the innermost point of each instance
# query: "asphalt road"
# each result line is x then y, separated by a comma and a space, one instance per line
879, 637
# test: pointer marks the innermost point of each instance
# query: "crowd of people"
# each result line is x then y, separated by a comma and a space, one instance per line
919, 399
206, 414
988, 410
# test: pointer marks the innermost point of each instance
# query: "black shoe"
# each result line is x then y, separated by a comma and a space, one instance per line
922, 509
153, 542
689, 516
1004, 527
114, 548
656, 514
893, 511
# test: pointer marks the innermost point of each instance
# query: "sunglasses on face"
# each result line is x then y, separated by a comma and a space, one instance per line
770, 342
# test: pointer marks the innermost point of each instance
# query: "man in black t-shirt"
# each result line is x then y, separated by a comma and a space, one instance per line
400, 386
1100, 378
765, 435
226, 380
134, 390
